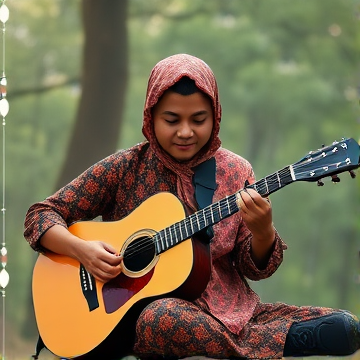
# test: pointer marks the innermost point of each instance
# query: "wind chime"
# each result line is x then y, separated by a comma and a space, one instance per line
4, 109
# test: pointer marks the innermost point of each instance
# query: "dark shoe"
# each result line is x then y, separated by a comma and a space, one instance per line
334, 334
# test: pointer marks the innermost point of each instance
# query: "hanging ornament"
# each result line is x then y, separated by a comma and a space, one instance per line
3, 85
4, 107
4, 13
4, 278
3, 253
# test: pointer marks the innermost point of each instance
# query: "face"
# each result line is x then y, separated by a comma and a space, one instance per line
183, 124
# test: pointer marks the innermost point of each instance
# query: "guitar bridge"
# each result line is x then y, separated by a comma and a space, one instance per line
88, 287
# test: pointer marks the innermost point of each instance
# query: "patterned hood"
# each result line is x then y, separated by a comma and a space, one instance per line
165, 74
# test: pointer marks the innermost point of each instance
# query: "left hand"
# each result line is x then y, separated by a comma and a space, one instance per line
256, 212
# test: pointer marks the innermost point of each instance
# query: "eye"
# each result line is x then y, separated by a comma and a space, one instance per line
171, 121
199, 121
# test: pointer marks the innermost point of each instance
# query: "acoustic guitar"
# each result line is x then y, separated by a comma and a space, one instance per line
161, 257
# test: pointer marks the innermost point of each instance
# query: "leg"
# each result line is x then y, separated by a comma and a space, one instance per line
178, 328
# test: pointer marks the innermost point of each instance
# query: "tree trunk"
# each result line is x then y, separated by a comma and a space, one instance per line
104, 79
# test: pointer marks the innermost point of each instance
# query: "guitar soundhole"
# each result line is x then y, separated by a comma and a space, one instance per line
139, 253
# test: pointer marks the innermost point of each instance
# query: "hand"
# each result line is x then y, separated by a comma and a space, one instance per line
100, 259
256, 212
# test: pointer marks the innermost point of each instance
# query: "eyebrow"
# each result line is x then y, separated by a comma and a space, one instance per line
201, 112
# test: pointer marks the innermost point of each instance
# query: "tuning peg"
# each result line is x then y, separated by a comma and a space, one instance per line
335, 179
320, 183
352, 174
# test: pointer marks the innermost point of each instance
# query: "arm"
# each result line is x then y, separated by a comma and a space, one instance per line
99, 258
259, 251
86, 197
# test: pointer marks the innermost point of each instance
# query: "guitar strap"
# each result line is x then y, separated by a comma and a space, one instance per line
204, 180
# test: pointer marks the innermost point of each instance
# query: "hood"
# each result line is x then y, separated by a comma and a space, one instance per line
165, 74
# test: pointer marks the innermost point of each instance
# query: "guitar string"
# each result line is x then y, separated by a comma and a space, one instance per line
139, 248
280, 172
260, 188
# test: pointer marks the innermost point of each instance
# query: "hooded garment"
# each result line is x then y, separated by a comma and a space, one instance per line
116, 185
165, 74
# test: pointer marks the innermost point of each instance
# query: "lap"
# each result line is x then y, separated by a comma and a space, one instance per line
175, 327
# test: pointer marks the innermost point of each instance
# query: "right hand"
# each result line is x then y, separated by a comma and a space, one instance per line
100, 259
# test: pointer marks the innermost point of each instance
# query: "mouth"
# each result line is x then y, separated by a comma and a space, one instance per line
184, 146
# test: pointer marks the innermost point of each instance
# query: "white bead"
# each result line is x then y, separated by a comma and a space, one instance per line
4, 107
4, 278
4, 13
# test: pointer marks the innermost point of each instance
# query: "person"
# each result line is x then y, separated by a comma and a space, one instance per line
181, 124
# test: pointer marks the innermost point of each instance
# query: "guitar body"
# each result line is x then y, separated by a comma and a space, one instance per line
69, 322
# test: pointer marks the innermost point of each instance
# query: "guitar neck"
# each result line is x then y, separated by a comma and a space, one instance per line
214, 213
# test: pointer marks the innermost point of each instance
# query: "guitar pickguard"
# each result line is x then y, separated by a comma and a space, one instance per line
118, 291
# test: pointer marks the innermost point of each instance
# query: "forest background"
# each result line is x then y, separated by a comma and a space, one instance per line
288, 74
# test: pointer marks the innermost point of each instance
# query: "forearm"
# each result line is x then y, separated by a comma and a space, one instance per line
60, 240
262, 248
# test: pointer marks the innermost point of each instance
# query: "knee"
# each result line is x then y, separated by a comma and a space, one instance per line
162, 312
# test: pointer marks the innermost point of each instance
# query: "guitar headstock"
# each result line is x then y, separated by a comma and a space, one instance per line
330, 160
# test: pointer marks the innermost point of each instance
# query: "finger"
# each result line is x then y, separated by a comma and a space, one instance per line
107, 272
110, 249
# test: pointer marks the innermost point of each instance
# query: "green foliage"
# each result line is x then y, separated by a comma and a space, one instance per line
287, 73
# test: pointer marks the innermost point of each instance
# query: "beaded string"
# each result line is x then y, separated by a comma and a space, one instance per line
4, 109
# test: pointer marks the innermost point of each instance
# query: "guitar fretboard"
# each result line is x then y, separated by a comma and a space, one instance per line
214, 213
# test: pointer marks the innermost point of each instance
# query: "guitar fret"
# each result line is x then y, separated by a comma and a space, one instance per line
166, 237
191, 224
221, 210
162, 241
197, 221
203, 213
181, 232
171, 238
157, 243
267, 186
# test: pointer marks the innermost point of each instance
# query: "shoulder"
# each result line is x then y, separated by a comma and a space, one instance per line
130, 155
228, 159
232, 171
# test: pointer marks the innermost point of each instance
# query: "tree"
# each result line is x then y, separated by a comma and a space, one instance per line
104, 82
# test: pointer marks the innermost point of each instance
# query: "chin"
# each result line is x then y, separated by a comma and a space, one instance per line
182, 159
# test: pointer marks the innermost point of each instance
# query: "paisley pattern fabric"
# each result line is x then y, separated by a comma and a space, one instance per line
228, 317
174, 327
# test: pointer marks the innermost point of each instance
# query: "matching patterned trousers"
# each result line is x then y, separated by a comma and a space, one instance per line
176, 328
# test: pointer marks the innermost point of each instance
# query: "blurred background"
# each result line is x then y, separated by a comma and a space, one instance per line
288, 73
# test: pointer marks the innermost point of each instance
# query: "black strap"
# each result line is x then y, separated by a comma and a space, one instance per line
205, 184
39, 346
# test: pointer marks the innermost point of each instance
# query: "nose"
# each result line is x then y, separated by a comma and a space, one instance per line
185, 131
